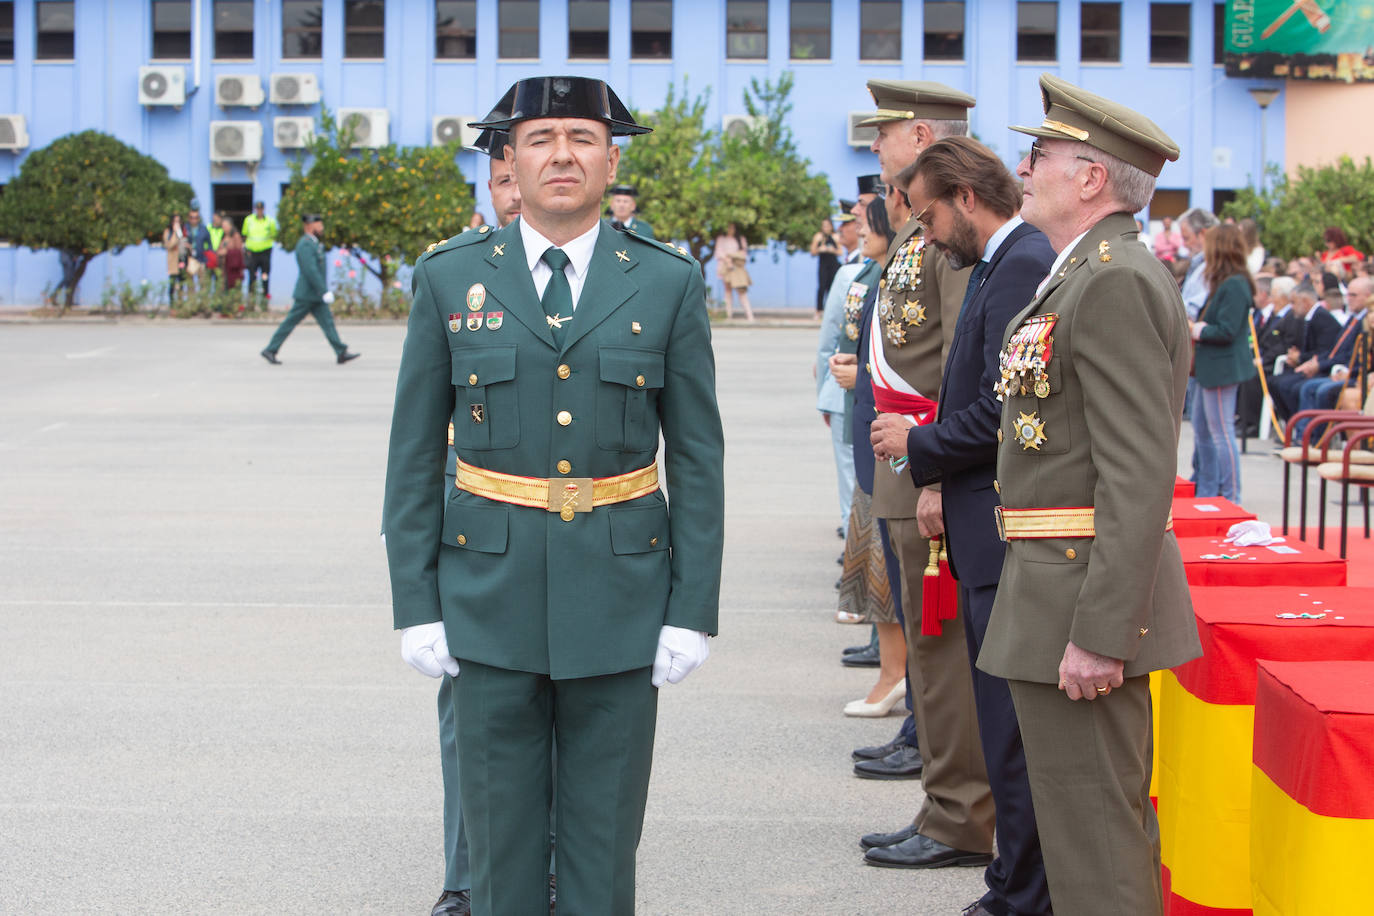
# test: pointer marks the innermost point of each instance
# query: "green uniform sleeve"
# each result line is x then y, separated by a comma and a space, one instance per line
311, 268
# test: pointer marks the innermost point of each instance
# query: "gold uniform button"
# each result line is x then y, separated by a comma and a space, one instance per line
564, 371
653, 542
639, 381
997, 487
1071, 553
472, 379
462, 539
567, 513
564, 418
564, 466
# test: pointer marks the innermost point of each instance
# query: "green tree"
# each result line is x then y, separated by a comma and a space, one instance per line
86, 194
385, 205
1293, 213
694, 181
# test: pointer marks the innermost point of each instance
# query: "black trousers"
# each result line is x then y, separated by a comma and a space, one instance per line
1019, 865
256, 262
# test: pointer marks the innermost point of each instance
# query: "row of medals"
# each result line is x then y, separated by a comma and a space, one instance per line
896, 310
1024, 359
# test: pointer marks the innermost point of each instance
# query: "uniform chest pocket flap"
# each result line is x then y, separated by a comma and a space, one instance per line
482, 528
630, 381
487, 406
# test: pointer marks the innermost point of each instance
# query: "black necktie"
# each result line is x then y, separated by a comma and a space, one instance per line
973, 278
557, 298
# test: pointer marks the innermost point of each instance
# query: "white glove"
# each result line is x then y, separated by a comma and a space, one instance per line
680, 652
1250, 534
328, 297
424, 647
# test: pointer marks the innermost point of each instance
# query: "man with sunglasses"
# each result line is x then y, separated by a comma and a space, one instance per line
1092, 595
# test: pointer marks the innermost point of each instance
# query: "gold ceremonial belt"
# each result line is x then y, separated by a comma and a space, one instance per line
564, 495
1072, 522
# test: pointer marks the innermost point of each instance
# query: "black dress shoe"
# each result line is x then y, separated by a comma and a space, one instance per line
271, 357
921, 851
878, 751
903, 763
453, 903
977, 908
850, 650
840, 532
345, 356
865, 659
875, 840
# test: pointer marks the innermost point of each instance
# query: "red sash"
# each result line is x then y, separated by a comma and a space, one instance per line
900, 402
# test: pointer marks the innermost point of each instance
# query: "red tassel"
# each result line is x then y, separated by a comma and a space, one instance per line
932, 593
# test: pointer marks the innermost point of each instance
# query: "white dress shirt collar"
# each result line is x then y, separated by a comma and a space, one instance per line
579, 252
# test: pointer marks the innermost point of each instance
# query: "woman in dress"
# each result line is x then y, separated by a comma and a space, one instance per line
231, 254
178, 247
825, 248
732, 252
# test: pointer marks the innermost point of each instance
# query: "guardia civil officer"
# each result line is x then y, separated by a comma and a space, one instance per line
1092, 597
560, 349
311, 295
625, 211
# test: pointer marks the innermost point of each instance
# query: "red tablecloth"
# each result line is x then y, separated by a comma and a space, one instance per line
1196, 518
1293, 562
1183, 487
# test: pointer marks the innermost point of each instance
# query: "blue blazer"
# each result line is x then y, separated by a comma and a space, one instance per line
863, 411
960, 448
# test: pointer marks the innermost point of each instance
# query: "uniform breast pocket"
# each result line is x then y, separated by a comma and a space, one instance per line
627, 399
1039, 426
486, 406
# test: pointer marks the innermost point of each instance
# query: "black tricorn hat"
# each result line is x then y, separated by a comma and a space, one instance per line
562, 97
492, 142
871, 184
310, 217
626, 189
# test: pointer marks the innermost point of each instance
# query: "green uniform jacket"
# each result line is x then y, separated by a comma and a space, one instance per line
523, 589
1117, 372
1223, 354
310, 282
639, 227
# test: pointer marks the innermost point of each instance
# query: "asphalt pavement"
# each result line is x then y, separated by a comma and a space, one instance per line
204, 704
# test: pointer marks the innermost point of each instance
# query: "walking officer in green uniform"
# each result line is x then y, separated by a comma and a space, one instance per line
625, 211
311, 295
1092, 596
552, 579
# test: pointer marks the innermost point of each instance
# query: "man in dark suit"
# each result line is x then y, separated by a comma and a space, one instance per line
1320, 333
970, 202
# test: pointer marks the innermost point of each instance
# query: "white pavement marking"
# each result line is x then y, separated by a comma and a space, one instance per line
91, 354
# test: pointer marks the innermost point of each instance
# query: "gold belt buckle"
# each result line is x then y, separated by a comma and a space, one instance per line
570, 495
1001, 523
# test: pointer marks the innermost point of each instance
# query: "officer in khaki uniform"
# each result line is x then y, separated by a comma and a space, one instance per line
913, 325
560, 349
1092, 596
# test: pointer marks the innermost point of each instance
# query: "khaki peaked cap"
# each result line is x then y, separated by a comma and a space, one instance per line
1072, 113
910, 100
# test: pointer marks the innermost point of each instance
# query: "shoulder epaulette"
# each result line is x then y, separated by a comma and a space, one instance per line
661, 246
458, 241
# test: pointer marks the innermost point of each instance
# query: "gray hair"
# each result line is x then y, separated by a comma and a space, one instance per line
942, 128
1130, 186
1283, 286
1198, 219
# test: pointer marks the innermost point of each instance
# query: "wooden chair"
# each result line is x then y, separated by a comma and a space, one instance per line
1308, 453
1348, 472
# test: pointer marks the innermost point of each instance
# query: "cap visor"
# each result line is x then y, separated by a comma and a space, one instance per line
877, 118
1044, 133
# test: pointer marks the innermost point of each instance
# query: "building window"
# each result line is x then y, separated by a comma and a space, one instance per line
364, 29
232, 201
746, 29
651, 29
56, 23
234, 29
809, 28
1169, 33
302, 28
455, 29
171, 29
1036, 24
1218, 36
880, 29
518, 24
589, 29
944, 30
7, 30
1101, 39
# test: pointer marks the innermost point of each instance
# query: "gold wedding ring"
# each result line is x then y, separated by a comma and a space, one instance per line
1103, 689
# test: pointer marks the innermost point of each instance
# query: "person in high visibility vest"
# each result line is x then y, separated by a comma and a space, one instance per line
259, 235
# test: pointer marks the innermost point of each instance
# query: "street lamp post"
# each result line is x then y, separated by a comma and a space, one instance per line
1263, 96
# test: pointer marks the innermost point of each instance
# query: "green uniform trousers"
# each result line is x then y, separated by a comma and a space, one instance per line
1089, 768
299, 309
521, 733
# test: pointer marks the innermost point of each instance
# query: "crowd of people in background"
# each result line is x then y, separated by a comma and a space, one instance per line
213, 257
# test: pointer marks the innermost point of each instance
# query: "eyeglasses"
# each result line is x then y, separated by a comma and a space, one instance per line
920, 218
1037, 152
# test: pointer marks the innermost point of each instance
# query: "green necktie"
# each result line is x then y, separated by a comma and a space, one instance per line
557, 299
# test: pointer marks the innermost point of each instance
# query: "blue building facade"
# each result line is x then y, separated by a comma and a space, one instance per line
76, 65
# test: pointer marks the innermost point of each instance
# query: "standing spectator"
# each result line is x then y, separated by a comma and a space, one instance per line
1338, 249
199, 240
1168, 241
732, 252
1222, 361
231, 255
825, 248
213, 261
259, 235
1192, 224
311, 295
177, 247
625, 211
1254, 257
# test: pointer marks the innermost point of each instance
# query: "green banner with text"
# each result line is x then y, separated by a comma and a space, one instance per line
1306, 39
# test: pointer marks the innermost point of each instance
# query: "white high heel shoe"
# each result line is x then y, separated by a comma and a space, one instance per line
867, 710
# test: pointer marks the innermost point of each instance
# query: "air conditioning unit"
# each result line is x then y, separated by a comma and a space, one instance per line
295, 89
235, 141
860, 137
453, 129
238, 90
740, 125
14, 132
371, 126
162, 86
292, 133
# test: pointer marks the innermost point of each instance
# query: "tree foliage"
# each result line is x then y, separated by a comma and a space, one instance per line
1293, 213
385, 205
694, 181
88, 193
